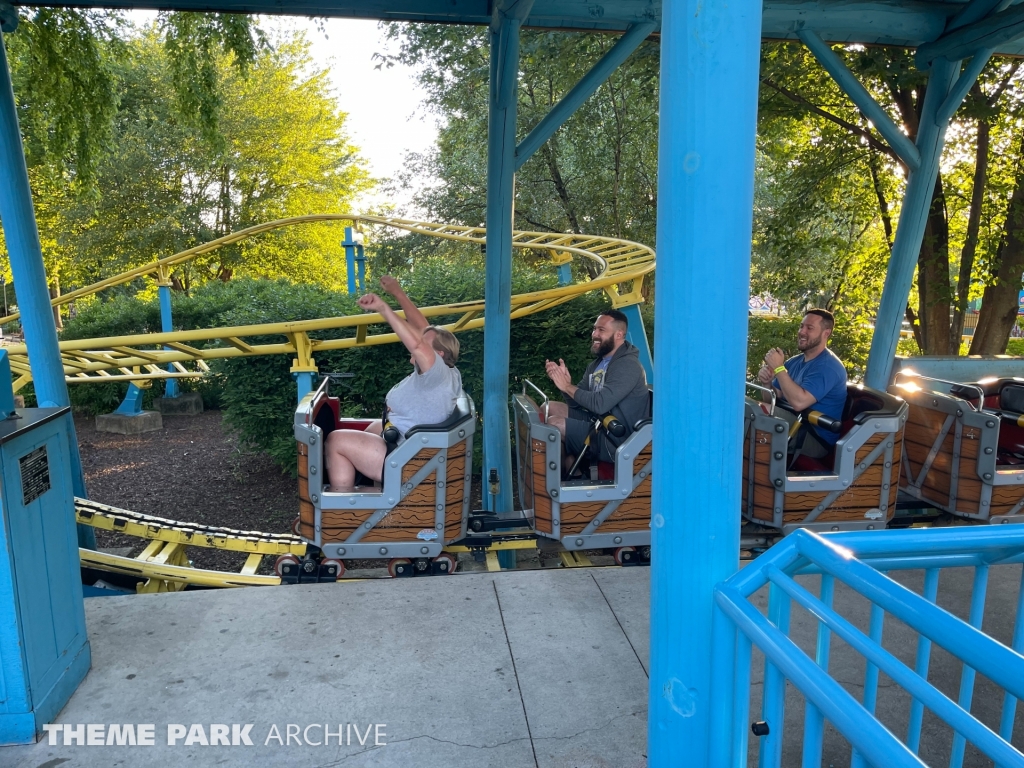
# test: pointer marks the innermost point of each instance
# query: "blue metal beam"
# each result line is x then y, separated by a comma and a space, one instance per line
896, 138
992, 32
167, 325
910, 231
26, 257
582, 91
501, 147
962, 85
710, 53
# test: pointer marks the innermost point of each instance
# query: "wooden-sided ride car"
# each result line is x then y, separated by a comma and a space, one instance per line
422, 502
610, 510
854, 487
964, 450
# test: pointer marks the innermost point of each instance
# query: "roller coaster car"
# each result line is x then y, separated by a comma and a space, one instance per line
423, 501
611, 511
965, 449
854, 487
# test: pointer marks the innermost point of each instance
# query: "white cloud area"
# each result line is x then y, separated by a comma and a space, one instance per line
385, 117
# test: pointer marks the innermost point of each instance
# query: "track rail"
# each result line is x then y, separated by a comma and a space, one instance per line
621, 265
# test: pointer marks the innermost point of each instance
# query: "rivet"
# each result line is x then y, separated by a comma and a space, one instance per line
643, 475
314, 498
959, 412
846, 482
778, 510
990, 424
440, 483
778, 482
617, 540
553, 493
889, 444
780, 428
366, 524
394, 463
988, 451
885, 486
424, 550
341, 550
552, 465
888, 464
625, 455
462, 433
440, 459
871, 527
391, 500
835, 527
439, 526
579, 542
987, 475
551, 438
849, 448
312, 439
590, 493
778, 455
884, 507
352, 502
383, 550
439, 507
312, 470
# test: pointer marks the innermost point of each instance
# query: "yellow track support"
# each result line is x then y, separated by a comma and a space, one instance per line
162, 577
574, 560
192, 534
621, 264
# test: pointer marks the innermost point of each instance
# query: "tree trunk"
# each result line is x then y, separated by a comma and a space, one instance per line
55, 293
1000, 300
970, 248
933, 278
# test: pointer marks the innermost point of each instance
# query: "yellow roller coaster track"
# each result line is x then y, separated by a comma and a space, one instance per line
621, 267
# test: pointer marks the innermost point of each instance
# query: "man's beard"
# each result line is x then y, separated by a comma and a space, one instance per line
811, 343
603, 348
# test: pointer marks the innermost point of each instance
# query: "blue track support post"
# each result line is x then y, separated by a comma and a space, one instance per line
910, 231
132, 403
705, 174
166, 325
564, 274
637, 336
350, 261
29, 274
501, 145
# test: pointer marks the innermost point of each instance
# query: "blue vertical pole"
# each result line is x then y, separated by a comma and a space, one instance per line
29, 274
166, 325
361, 262
564, 274
910, 232
350, 260
705, 174
501, 146
303, 383
637, 336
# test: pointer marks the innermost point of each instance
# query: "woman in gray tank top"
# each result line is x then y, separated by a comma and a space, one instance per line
425, 396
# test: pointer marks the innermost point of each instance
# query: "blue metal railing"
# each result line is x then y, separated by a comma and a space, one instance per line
860, 561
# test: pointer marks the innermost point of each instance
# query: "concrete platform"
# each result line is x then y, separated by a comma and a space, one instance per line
185, 404
541, 669
119, 423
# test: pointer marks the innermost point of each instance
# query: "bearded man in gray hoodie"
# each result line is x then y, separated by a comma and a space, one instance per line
614, 383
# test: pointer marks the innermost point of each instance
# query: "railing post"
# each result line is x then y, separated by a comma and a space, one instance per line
705, 174
167, 325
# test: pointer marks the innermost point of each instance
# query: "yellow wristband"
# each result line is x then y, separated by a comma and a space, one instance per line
780, 369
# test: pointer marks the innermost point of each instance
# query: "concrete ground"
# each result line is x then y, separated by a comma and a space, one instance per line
542, 669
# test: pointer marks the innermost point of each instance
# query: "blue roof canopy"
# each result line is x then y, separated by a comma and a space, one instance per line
883, 22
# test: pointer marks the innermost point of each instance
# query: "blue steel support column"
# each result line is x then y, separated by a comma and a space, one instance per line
166, 325
350, 261
637, 336
501, 148
910, 230
29, 274
705, 202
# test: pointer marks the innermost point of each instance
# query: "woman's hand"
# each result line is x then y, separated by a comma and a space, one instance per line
371, 302
389, 285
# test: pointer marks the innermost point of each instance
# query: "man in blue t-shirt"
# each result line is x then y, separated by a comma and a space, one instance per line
815, 378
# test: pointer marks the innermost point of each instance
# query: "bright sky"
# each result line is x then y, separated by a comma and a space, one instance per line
385, 117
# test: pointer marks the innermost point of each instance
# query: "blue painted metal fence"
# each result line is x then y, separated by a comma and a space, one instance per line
860, 561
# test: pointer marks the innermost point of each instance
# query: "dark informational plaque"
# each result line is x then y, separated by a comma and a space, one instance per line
35, 474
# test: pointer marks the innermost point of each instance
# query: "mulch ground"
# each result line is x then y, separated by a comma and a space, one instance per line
193, 470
